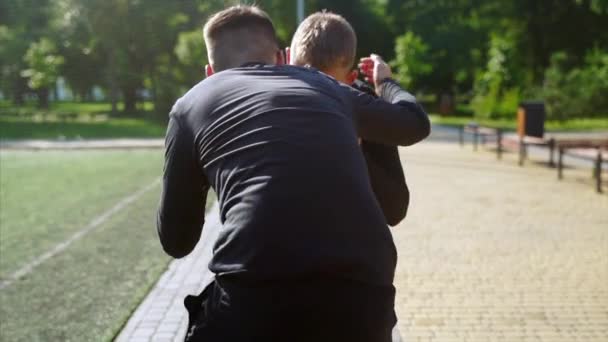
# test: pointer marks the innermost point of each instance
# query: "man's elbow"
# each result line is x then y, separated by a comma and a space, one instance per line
398, 210
425, 129
176, 250
417, 131
175, 246
397, 215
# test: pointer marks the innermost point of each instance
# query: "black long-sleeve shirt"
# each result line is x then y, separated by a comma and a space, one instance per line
278, 144
385, 173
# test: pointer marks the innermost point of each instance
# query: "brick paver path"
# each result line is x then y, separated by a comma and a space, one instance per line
489, 252
494, 252
162, 316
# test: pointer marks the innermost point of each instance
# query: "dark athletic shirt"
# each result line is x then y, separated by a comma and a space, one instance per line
278, 144
385, 173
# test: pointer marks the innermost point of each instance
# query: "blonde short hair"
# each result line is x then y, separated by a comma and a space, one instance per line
239, 34
324, 40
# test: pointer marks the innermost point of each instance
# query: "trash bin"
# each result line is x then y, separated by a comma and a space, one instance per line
531, 119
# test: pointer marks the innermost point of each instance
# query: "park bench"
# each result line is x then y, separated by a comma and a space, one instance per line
530, 132
482, 133
595, 150
523, 142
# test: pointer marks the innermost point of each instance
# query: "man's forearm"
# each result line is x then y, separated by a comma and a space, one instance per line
402, 122
181, 212
392, 92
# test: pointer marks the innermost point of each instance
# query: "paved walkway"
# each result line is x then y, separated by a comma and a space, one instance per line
161, 316
494, 252
489, 252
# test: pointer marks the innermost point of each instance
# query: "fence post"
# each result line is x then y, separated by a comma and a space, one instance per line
551, 150
499, 143
461, 135
475, 137
598, 171
522, 148
560, 163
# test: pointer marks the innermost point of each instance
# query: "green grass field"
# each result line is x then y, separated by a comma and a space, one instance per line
22, 128
88, 291
83, 108
73, 120
91, 120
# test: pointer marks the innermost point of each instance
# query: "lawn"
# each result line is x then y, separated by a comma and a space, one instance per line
590, 124
22, 128
73, 120
30, 107
86, 292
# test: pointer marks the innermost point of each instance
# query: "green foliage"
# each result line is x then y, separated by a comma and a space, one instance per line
492, 97
578, 91
74, 120
598, 6
410, 59
492, 51
43, 63
192, 55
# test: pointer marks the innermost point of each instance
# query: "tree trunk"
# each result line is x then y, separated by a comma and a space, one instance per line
43, 98
112, 82
130, 99
446, 103
18, 98
19, 88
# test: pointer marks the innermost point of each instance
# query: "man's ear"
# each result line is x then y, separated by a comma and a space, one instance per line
208, 70
352, 76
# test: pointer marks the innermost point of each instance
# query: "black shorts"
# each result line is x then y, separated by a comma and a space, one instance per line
327, 310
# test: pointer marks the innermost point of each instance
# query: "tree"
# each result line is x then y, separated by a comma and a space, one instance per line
411, 59
43, 68
454, 35
22, 22
492, 83
368, 18
84, 62
11, 58
192, 56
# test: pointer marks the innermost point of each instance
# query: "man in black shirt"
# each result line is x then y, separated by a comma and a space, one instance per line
326, 41
304, 248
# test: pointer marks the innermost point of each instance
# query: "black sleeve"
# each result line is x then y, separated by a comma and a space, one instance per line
181, 212
393, 119
387, 180
385, 173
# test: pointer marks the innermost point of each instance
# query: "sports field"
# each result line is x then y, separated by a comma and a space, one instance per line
78, 244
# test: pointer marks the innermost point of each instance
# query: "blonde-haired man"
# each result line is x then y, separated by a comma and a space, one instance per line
304, 253
326, 41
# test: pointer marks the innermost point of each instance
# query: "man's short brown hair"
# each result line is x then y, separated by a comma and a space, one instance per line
239, 34
324, 40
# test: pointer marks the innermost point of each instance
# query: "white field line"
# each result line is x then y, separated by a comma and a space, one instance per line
96, 222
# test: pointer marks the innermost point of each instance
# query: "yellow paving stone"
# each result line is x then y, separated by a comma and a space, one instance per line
499, 251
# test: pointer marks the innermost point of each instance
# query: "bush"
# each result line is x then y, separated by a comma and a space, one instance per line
411, 60
571, 92
494, 94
